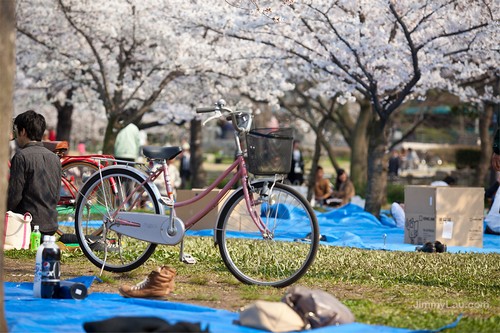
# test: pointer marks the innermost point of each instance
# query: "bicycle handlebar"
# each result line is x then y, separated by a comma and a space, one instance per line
229, 114
205, 110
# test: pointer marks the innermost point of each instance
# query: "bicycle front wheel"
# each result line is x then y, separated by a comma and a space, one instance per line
279, 254
104, 193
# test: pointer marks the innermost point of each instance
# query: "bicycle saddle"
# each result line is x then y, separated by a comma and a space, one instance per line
166, 153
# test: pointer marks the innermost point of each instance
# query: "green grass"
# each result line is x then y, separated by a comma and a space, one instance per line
400, 289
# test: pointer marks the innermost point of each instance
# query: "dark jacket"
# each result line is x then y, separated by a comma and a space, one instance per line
34, 185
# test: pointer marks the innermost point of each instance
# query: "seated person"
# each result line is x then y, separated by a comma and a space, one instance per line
343, 190
322, 186
35, 174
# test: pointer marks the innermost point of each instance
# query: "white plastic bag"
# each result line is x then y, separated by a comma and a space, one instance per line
17, 231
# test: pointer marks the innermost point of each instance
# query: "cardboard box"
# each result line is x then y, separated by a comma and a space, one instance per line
451, 215
186, 212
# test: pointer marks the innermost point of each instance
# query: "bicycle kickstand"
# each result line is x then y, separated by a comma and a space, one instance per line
186, 257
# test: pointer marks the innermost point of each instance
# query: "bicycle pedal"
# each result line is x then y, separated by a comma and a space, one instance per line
188, 259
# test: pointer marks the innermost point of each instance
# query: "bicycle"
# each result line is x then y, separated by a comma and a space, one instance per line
76, 169
267, 233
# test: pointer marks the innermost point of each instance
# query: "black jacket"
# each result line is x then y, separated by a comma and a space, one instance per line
34, 185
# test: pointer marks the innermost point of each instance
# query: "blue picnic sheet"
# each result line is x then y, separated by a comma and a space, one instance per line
27, 314
351, 226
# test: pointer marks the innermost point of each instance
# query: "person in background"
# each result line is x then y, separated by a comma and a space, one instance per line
412, 159
82, 150
322, 186
52, 134
35, 174
185, 169
490, 192
296, 174
343, 190
492, 219
128, 143
394, 164
403, 158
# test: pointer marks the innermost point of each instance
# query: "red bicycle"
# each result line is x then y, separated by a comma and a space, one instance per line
76, 169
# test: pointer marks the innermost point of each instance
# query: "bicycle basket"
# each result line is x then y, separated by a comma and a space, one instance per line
269, 151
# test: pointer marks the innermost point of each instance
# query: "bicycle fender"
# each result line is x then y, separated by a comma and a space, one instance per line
140, 174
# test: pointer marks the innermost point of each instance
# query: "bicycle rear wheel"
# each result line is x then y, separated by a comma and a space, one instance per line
278, 257
103, 194
74, 175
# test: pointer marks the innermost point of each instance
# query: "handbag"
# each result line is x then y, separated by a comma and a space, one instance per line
317, 308
271, 316
16, 231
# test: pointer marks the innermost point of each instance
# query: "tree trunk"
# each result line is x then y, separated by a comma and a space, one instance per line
481, 178
108, 145
64, 114
7, 73
64, 122
330, 150
377, 168
312, 175
359, 148
198, 174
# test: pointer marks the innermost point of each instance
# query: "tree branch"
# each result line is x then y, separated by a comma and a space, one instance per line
102, 68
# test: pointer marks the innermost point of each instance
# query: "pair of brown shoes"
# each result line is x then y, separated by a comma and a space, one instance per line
158, 284
433, 247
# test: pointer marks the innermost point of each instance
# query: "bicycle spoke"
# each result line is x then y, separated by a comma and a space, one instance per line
278, 258
103, 196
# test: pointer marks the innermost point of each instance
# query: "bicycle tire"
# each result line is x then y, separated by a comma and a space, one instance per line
278, 260
74, 174
104, 191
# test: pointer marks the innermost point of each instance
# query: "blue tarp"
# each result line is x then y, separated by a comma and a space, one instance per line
353, 227
27, 314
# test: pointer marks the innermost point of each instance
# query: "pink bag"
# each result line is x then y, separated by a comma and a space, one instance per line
17, 231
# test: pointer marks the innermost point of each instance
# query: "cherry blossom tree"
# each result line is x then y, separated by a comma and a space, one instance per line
386, 51
129, 58
133, 57
115, 49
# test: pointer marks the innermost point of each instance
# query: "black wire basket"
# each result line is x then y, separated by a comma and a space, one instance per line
269, 151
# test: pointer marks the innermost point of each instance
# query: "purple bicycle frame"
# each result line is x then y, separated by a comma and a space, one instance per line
240, 174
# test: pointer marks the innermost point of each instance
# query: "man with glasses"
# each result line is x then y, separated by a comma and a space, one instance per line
35, 174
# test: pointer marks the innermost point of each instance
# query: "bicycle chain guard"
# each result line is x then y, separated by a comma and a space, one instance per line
149, 227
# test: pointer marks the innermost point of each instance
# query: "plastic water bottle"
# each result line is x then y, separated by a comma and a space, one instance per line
37, 283
35, 238
51, 262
